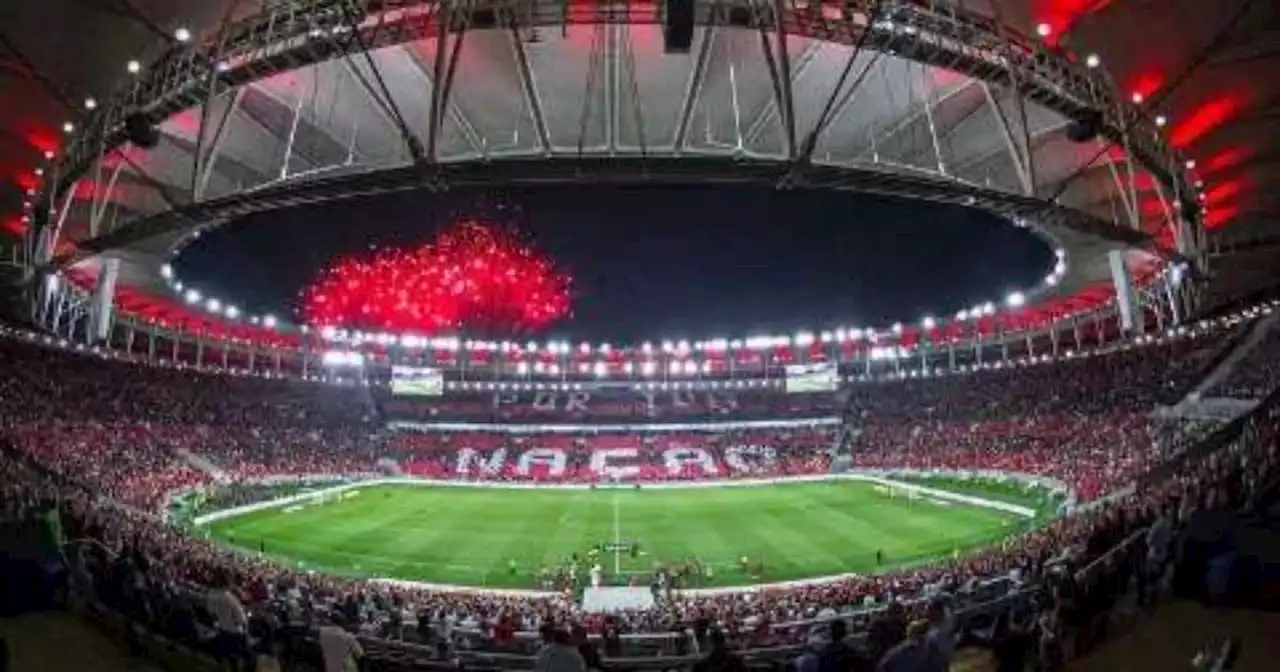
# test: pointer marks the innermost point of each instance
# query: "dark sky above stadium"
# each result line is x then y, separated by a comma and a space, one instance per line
664, 262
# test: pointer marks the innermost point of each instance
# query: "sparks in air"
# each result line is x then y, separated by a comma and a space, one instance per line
474, 277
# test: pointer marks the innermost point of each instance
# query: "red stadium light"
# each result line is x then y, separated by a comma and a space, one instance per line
474, 276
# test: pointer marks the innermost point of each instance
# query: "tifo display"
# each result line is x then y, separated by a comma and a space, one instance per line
552, 539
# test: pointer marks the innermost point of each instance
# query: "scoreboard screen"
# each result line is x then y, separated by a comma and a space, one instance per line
809, 378
413, 381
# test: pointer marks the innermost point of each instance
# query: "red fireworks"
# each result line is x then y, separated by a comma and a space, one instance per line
474, 277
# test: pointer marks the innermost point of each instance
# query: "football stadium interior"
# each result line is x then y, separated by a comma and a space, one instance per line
396, 335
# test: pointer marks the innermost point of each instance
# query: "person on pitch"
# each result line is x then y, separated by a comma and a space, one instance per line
597, 573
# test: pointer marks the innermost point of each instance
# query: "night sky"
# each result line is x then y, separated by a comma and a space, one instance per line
664, 262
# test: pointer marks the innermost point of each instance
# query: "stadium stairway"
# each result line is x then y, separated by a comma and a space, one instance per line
202, 464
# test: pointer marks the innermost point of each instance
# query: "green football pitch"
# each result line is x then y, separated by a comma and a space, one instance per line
503, 537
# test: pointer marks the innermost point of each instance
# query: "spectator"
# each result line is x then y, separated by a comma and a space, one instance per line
340, 649
720, 658
232, 623
558, 652
915, 654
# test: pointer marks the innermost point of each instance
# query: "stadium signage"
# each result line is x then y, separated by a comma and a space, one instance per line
579, 403
617, 464
607, 463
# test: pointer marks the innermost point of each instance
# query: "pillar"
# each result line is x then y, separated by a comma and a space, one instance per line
104, 295
1128, 306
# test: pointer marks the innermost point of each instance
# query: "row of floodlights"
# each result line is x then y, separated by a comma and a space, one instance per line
1201, 328
338, 360
1013, 300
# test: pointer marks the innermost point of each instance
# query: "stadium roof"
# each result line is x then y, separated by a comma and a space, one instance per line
1204, 69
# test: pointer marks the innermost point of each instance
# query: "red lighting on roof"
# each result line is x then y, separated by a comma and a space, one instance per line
1145, 85
1225, 159
474, 276
1204, 120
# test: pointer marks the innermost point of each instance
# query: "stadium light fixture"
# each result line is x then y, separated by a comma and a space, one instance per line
1161, 120
1191, 164
166, 272
1137, 98
39, 172
928, 322
48, 155
90, 103
600, 370
133, 66
213, 305
897, 328
1015, 299
182, 35
1044, 29
192, 296
648, 368
68, 127
1093, 60
270, 322
989, 308
233, 312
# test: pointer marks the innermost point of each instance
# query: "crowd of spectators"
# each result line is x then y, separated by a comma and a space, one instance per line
84, 432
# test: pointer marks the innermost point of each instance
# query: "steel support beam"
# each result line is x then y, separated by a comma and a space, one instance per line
529, 88
1021, 157
779, 69
831, 110
205, 166
693, 89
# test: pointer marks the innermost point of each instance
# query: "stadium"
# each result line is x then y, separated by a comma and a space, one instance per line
630, 335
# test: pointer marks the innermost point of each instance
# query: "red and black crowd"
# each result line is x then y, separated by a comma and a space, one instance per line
105, 443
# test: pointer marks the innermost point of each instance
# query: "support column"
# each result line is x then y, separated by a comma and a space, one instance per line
104, 294
1128, 305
